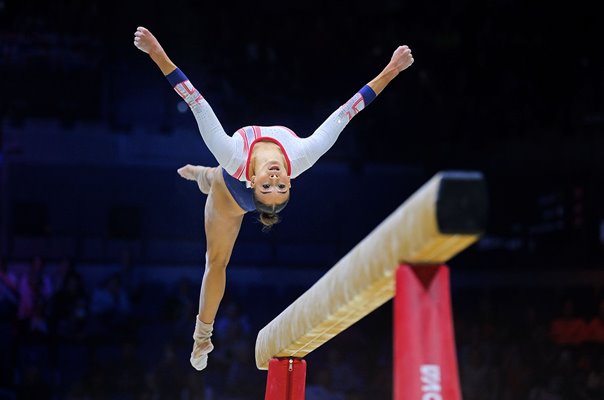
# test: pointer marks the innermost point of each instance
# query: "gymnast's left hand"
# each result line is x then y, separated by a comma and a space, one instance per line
401, 58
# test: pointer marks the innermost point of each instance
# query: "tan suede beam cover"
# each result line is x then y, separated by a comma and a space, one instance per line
362, 280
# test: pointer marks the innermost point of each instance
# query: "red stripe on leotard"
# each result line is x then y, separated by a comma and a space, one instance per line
257, 132
241, 167
269, 139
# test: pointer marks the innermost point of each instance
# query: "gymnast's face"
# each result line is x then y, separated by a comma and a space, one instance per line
271, 184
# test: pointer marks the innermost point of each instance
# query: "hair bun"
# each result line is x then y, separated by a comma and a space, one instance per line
268, 220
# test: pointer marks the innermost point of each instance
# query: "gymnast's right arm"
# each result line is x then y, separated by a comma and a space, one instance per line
220, 144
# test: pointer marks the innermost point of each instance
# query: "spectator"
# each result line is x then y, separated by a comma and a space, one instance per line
71, 305
181, 303
110, 305
595, 328
131, 281
477, 376
552, 390
232, 325
99, 386
9, 297
35, 291
341, 369
595, 380
516, 370
195, 388
231, 328
77, 391
319, 387
240, 383
150, 389
169, 375
568, 329
127, 374
34, 385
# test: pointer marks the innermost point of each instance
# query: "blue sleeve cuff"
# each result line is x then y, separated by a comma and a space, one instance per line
175, 77
368, 94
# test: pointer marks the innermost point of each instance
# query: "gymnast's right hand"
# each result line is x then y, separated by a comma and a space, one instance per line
145, 41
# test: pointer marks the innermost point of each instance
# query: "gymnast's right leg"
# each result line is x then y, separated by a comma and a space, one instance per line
222, 227
204, 176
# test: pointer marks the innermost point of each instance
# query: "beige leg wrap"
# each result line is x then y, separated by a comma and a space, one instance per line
203, 180
202, 345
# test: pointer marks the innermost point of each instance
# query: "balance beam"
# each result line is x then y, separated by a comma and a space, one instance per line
445, 216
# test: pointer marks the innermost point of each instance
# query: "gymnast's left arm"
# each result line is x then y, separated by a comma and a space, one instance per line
326, 135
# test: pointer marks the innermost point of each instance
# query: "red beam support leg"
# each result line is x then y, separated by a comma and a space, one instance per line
286, 379
425, 361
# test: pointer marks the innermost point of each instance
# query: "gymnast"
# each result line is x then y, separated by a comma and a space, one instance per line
256, 165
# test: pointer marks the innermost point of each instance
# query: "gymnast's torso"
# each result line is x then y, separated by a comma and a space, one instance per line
246, 138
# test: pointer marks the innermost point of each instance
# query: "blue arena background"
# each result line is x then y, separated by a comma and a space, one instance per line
95, 218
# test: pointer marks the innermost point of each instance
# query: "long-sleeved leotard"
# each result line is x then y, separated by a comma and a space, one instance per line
233, 152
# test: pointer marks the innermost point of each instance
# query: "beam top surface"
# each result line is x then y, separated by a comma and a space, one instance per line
443, 217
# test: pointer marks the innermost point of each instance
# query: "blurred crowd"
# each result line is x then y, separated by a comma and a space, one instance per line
125, 338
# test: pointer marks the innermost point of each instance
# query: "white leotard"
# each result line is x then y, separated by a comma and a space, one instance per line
233, 152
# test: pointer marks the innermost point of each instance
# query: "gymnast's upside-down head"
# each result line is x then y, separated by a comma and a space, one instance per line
271, 186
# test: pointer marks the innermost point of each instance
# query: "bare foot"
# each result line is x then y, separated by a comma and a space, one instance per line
202, 175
